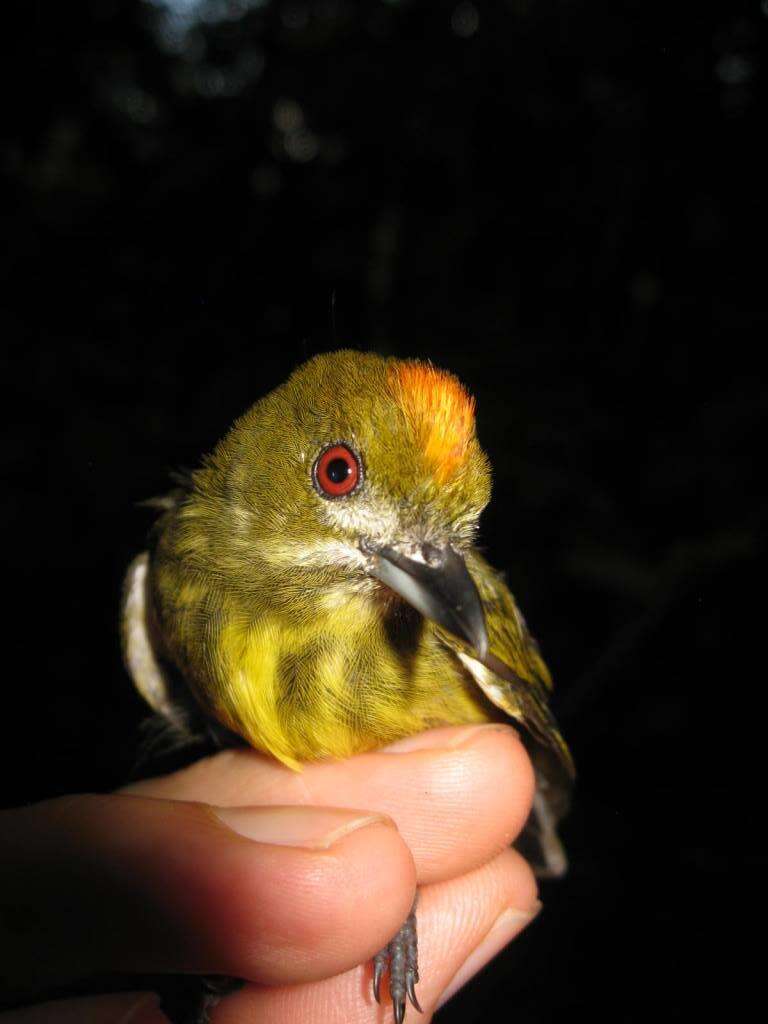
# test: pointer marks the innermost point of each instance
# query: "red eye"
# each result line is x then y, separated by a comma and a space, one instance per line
336, 472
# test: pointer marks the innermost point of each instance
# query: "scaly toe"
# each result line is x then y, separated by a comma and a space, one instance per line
400, 957
410, 982
380, 962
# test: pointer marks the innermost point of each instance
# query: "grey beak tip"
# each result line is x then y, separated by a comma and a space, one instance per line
442, 591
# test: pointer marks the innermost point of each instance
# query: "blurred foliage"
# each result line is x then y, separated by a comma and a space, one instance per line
563, 201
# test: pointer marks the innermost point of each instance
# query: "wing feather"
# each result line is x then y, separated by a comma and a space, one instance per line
515, 678
141, 660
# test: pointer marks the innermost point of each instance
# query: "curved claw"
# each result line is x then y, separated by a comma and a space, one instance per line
378, 973
410, 983
401, 959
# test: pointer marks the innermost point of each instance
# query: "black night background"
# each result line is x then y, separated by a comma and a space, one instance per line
562, 202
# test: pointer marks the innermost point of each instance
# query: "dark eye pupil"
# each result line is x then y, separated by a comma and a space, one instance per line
338, 470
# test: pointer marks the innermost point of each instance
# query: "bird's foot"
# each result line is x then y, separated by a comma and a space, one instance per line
401, 958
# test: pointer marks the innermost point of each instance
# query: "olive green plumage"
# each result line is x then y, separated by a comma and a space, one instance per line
302, 618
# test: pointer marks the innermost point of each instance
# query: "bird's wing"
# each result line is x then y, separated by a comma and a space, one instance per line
152, 675
514, 677
139, 652
177, 733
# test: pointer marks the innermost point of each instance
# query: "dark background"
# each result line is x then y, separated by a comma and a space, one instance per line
562, 202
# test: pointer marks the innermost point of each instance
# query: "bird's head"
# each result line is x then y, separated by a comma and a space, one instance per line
359, 473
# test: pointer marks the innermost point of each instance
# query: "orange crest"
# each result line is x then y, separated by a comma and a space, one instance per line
440, 411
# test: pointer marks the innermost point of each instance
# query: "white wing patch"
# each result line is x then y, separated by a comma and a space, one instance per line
542, 844
140, 658
497, 692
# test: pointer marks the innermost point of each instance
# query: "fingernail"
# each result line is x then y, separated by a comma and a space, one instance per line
312, 828
506, 926
146, 1010
438, 740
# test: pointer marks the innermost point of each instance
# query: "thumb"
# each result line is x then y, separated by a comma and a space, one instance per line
123, 883
123, 1008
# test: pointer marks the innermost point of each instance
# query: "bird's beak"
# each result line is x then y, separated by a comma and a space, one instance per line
439, 586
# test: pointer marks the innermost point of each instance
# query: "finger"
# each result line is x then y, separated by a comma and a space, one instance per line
458, 795
462, 924
123, 883
122, 1008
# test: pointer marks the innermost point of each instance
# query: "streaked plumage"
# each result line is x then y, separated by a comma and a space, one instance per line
265, 591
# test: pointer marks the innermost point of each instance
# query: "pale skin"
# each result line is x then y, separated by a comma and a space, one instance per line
240, 866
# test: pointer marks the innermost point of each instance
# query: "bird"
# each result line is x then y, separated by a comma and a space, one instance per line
315, 590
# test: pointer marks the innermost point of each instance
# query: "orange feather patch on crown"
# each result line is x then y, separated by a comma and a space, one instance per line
440, 411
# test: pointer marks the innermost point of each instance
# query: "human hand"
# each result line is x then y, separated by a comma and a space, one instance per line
239, 866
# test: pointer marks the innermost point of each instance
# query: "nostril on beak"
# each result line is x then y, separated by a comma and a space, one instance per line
432, 556
365, 546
